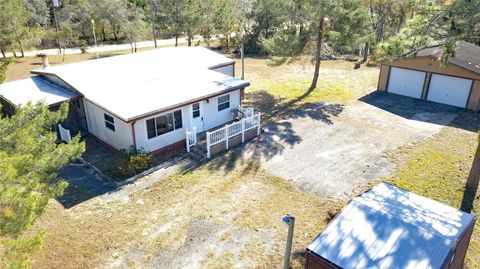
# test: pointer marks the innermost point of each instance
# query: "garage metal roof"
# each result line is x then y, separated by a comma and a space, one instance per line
388, 227
466, 55
133, 85
33, 90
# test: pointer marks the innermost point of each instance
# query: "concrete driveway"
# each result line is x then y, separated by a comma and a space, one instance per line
331, 149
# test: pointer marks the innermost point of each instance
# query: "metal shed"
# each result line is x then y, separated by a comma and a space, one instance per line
388, 227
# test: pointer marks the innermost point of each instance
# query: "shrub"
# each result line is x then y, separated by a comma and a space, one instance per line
139, 162
130, 163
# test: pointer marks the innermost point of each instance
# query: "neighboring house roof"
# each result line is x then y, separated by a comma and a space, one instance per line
388, 227
133, 85
33, 90
466, 55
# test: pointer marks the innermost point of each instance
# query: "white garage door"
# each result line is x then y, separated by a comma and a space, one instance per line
406, 82
449, 90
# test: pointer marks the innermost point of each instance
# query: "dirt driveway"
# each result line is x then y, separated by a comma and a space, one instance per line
331, 149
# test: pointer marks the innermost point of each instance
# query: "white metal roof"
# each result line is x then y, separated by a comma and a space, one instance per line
133, 85
33, 90
389, 227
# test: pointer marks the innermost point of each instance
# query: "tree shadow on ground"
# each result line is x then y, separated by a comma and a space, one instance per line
413, 109
278, 131
470, 121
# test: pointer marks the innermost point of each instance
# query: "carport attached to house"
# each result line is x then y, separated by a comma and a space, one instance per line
424, 77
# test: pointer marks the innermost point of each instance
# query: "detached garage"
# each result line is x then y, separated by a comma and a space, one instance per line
424, 77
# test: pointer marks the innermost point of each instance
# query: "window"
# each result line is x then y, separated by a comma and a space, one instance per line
164, 124
223, 102
196, 110
109, 122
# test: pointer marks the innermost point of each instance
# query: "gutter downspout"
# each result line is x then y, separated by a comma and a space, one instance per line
133, 135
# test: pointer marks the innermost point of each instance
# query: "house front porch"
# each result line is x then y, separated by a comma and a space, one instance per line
244, 126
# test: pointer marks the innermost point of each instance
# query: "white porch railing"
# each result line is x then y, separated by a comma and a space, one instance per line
64, 134
191, 138
247, 111
231, 130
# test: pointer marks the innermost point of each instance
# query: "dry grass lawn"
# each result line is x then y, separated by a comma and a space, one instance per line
212, 216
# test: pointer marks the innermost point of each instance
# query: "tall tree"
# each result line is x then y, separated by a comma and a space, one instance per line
65, 37
134, 27
14, 32
318, 21
29, 159
440, 24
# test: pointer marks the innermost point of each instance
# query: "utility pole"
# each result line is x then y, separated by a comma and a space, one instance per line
290, 221
55, 22
154, 6
94, 37
242, 56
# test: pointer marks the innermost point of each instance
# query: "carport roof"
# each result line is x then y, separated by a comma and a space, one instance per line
388, 227
466, 55
33, 90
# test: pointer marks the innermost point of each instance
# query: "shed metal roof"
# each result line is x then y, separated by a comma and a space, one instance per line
388, 227
33, 90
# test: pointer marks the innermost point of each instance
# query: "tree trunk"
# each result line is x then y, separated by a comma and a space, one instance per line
318, 53
176, 40
104, 36
366, 48
3, 53
189, 40
21, 49
14, 53
63, 58
473, 180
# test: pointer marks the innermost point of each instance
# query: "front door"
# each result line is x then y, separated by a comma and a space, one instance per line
197, 116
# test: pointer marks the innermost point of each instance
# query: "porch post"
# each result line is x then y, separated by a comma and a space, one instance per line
208, 145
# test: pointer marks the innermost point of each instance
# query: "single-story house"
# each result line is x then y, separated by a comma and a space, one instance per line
146, 100
455, 83
388, 227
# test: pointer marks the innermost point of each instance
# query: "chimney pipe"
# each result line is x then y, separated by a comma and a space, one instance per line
44, 59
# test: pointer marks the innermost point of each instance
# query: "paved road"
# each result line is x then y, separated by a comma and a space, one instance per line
103, 48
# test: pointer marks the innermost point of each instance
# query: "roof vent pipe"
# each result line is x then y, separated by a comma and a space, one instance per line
44, 59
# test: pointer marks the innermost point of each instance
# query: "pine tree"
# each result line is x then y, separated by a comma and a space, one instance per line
29, 159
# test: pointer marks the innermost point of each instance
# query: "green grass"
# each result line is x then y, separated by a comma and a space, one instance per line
438, 169
329, 92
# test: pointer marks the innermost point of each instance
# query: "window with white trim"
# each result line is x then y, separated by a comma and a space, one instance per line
196, 110
109, 122
164, 124
223, 102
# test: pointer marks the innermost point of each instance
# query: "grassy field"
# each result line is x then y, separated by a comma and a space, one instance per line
279, 91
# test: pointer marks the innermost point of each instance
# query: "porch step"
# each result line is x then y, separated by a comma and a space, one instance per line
198, 152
